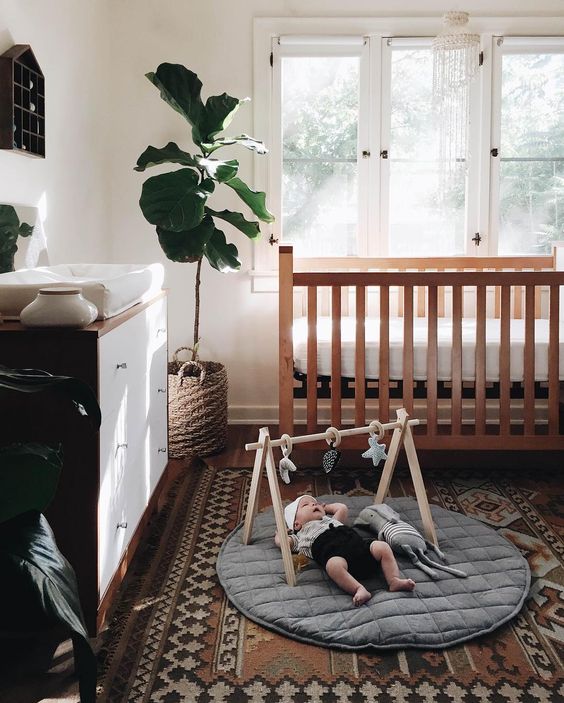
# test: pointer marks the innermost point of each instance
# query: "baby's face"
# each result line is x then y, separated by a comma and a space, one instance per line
308, 509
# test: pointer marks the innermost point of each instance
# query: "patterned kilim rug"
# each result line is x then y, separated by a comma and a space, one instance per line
176, 639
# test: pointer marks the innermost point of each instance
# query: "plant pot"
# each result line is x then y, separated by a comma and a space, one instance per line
197, 407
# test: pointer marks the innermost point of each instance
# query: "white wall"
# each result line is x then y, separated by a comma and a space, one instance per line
102, 113
215, 39
70, 41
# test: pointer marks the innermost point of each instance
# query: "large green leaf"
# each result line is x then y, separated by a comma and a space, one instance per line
186, 246
181, 89
29, 474
221, 255
256, 200
39, 589
174, 201
251, 229
242, 140
169, 154
35, 381
218, 114
220, 170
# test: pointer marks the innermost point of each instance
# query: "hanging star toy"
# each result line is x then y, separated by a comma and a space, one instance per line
377, 452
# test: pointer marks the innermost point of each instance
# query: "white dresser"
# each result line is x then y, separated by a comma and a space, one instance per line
111, 480
132, 382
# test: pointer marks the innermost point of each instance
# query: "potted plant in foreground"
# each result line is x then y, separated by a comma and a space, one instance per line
187, 227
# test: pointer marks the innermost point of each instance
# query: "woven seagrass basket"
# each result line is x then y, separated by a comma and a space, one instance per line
197, 407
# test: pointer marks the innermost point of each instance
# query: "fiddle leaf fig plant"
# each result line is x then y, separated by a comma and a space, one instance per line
177, 202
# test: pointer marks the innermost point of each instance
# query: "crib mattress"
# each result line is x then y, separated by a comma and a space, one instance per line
444, 344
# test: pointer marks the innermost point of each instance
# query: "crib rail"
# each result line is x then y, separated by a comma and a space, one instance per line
422, 292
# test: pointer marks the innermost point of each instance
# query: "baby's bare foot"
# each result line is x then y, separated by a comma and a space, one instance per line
397, 584
361, 596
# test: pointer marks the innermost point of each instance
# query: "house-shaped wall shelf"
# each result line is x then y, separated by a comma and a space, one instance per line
22, 102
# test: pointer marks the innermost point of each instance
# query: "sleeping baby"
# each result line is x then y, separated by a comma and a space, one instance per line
317, 530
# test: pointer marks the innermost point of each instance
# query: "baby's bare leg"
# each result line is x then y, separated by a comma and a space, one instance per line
382, 552
338, 570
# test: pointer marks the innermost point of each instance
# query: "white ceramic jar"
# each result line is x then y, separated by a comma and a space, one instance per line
59, 307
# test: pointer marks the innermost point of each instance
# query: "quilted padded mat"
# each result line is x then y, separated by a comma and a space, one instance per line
438, 614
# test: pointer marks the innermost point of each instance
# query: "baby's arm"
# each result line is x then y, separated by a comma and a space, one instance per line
338, 510
292, 541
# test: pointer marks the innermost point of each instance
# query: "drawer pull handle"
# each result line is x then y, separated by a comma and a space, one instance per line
161, 330
161, 390
123, 525
162, 449
123, 445
121, 366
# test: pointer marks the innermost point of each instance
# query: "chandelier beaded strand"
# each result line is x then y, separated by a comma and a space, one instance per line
455, 63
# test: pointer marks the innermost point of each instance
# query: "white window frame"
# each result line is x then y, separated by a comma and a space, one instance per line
479, 201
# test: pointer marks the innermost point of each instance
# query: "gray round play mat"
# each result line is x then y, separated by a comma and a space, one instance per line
439, 613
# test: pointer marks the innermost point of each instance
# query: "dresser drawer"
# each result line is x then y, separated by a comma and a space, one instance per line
126, 354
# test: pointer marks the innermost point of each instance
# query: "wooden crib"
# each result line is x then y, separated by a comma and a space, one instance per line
509, 308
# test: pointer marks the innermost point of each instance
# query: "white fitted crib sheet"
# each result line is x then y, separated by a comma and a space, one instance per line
444, 343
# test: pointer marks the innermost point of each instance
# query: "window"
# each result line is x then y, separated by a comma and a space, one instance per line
531, 138
354, 170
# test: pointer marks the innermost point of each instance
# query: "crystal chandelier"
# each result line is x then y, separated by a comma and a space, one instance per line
456, 55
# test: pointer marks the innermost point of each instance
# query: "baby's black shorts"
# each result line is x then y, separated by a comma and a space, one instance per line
343, 541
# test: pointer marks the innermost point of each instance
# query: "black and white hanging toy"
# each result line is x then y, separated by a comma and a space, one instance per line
286, 464
332, 456
376, 451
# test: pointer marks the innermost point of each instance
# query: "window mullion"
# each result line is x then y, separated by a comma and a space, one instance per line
385, 133
495, 141
363, 161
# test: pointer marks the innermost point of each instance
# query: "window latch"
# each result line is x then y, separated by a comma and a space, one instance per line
477, 239
272, 241
365, 153
384, 153
494, 152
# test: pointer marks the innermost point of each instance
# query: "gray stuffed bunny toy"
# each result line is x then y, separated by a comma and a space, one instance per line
402, 537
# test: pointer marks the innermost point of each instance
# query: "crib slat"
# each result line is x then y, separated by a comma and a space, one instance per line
517, 302
441, 293
504, 359
456, 399
311, 358
407, 367
336, 356
529, 361
360, 358
384, 360
538, 304
497, 302
432, 362
553, 370
286, 351
421, 299
480, 380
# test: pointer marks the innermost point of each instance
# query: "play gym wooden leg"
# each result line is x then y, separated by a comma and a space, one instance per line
254, 491
393, 451
281, 526
420, 492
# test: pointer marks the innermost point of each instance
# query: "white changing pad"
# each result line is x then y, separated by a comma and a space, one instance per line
112, 288
444, 343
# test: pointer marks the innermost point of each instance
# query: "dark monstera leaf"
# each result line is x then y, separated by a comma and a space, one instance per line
35, 381
241, 139
29, 475
251, 229
173, 201
221, 255
169, 154
181, 89
256, 200
187, 245
39, 590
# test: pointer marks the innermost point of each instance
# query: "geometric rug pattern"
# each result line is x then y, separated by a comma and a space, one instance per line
175, 638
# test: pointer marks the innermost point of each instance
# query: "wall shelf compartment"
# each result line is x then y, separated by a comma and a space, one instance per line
22, 102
